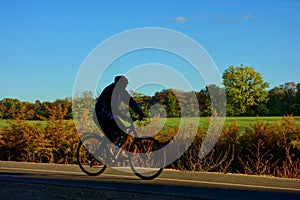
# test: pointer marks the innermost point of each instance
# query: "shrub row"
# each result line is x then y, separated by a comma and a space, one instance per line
55, 143
261, 149
271, 149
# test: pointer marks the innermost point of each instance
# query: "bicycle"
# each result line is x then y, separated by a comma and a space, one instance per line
146, 158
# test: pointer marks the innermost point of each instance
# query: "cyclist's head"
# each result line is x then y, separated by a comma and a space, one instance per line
122, 81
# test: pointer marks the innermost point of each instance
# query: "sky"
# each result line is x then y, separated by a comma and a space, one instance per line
43, 44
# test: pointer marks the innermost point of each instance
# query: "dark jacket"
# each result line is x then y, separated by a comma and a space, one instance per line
108, 103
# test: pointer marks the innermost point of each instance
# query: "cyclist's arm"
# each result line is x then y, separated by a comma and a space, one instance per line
132, 104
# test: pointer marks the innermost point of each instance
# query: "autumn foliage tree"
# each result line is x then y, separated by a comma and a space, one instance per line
15, 109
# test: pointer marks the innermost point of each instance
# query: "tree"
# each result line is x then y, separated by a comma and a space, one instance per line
290, 89
245, 89
10, 108
168, 99
215, 100
284, 100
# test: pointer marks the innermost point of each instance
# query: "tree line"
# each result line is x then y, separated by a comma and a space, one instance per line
246, 95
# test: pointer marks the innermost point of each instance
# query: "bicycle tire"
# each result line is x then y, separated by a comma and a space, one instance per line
143, 162
85, 155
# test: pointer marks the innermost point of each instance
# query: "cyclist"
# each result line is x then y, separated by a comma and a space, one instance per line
107, 112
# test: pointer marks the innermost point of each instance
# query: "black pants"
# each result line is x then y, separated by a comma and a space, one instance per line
110, 128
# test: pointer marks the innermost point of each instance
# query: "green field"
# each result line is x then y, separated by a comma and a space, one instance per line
243, 122
3, 123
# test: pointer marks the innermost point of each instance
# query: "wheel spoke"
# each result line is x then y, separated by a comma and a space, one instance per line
89, 155
149, 163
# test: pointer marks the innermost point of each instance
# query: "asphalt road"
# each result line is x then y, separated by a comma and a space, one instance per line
68, 182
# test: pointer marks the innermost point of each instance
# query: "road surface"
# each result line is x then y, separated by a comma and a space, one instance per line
51, 181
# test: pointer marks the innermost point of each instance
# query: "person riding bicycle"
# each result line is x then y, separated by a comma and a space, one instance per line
107, 112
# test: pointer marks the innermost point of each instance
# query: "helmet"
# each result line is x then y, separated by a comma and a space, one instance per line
121, 79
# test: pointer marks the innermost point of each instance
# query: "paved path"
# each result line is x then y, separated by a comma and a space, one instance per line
42, 181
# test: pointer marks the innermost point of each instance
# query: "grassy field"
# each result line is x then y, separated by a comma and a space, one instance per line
3, 123
243, 122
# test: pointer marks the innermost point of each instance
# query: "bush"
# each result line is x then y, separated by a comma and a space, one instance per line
262, 148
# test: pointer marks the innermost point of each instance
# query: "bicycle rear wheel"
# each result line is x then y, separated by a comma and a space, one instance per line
91, 155
146, 159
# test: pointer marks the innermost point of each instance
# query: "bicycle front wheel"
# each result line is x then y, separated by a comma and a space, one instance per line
147, 160
91, 155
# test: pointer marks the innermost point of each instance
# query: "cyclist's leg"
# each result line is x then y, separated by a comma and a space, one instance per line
110, 133
106, 126
115, 130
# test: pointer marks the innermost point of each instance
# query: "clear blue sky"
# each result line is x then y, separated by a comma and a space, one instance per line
43, 43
